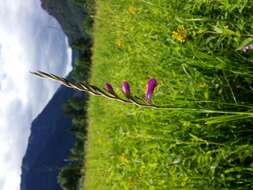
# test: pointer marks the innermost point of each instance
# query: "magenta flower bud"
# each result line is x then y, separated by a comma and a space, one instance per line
126, 89
150, 89
246, 48
108, 87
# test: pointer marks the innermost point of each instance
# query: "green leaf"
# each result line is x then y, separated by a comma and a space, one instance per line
244, 43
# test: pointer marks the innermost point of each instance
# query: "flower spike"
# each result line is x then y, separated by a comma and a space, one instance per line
94, 90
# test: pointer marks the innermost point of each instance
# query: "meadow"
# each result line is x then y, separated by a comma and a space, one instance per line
193, 48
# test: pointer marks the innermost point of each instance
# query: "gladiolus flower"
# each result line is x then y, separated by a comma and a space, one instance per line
126, 89
109, 88
246, 48
150, 89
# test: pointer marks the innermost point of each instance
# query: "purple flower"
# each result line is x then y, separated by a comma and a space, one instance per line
108, 87
150, 89
126, 89
247, 47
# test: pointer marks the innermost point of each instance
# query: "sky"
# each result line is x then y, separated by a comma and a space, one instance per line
30, 40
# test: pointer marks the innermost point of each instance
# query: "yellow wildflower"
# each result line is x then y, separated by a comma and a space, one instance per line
119, 43
130, 183
123, 158
180, 34
202, 85
132, 10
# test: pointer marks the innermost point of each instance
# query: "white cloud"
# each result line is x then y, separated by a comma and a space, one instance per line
29, 40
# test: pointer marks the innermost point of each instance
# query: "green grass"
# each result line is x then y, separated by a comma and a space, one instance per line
145, 149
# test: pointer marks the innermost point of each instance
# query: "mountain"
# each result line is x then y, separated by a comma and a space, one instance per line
70, 16
50, 141
49, 145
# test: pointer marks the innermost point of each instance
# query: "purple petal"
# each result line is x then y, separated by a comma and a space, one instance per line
247, 47
126, 89
150, 89
109, 88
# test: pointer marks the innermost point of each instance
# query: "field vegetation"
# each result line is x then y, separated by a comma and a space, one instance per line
194, 50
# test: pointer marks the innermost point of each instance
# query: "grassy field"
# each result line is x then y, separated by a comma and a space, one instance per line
194, 50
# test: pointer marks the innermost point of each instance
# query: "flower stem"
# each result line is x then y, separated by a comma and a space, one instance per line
93, 90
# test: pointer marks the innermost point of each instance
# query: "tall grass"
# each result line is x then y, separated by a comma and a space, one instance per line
193, 48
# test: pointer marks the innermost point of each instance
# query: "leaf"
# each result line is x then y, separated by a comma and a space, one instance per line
218, 30
244, 43
226, 118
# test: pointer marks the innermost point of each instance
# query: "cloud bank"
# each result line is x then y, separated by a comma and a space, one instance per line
30, 40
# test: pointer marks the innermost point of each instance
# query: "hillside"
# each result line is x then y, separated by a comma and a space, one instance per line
49, 145
51, 140
70, 16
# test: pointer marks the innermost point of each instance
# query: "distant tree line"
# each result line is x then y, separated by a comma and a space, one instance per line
88, 4
71, 175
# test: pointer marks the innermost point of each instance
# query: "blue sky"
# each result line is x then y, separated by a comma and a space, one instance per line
30, 40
